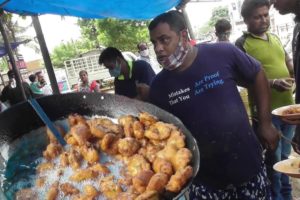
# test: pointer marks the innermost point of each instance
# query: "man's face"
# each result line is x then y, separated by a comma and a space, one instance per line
284, 6
224, 37
164, 41
259, 22
83, 77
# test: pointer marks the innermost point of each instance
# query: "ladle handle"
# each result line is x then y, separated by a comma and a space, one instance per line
39, 110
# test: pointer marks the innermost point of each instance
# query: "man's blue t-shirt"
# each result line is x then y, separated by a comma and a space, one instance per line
141, 72
207, 101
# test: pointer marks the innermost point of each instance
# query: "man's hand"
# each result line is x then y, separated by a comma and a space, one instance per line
282, 84
296, 140
269, 136
143, 91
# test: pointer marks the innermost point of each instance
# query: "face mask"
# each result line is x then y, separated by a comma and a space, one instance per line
144, 53
176, 59
116, 71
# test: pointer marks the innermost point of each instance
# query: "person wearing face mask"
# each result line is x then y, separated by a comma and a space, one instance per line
198, 85
11, 93
145, 55
132, 78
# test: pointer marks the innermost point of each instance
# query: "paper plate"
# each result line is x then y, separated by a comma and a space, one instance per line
281, 112
290, 167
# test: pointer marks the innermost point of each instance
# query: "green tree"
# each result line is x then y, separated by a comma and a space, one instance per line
67, 51
122, 34
220, 12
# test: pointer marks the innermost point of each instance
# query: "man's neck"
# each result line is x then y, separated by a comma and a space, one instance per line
263, 36
189, 59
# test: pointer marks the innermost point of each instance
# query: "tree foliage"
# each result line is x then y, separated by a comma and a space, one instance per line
220, 12
122, 34
69, 50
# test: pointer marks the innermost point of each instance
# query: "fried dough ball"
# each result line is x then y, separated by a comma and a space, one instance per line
179, 179
158, 131
136, 164
26, 194
76, 119
177, 139
138, 130
83, 174
53, 191
74, 158
64, 160
163, 166
147, 119
81, 133
89, 153
150, 152
101, 169
51, 136
90, 191
40, 182
127, 181
52, 150
126, 196
167, 153
110, 125
44, 167
182, 158
97, 130
71, 140
109, 188
141, 180
68, 189
148, 195
127, 123
109, 144
158, 182
128, 146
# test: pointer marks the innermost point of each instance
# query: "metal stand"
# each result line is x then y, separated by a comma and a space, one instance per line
12, 60
45, 53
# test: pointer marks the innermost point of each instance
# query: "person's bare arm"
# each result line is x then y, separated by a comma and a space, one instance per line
269, 136
289, 64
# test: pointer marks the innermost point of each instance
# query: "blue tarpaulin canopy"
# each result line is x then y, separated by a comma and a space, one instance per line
122, 9
3, 50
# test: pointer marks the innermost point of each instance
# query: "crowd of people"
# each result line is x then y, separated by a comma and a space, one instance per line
198, 84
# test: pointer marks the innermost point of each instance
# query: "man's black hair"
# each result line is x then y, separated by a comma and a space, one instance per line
249, 6
222, 25
109, 54
174, 18
32, 77
10, 74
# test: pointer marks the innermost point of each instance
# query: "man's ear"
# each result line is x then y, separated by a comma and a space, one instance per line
184, 34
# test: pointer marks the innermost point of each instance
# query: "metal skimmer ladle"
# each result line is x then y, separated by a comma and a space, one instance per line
41, 113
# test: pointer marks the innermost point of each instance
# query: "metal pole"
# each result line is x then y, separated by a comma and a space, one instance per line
188, 23
181, 7
12, 60
45, 53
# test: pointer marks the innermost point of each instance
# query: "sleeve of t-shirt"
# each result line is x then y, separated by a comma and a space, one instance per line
244, 66
143, 72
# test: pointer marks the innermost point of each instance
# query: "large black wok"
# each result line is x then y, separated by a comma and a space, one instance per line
21, 119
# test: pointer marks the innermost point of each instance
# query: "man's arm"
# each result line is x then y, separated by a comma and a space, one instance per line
261, 91
289, 64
